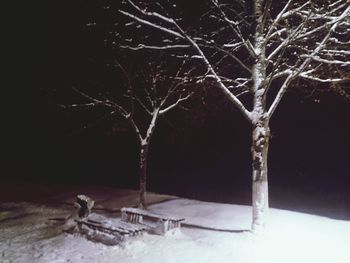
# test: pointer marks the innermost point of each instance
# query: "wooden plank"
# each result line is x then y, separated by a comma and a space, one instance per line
123, 229
140, 212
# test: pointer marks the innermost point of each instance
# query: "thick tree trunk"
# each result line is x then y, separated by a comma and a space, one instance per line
143, 175
260, 198
260, 121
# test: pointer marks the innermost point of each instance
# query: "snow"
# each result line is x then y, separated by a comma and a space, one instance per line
211, 232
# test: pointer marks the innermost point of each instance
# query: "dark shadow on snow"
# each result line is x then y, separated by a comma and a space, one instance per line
15, 217
215, 229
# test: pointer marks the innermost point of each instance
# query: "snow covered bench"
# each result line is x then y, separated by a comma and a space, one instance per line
118, 227
161, 223
110, 231
99, 227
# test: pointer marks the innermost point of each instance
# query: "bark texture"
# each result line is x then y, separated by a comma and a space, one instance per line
260, 197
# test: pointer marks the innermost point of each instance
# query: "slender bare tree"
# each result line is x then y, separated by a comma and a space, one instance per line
255, 48
149, 93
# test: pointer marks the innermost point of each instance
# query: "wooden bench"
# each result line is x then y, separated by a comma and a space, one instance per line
120, 228
98, 227
109, 231
164, 223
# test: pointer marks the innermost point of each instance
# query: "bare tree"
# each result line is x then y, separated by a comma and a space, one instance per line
254, 49
149, 93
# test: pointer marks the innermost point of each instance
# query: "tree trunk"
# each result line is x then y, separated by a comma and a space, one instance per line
260, 198
143, 175
144, 157
260, 121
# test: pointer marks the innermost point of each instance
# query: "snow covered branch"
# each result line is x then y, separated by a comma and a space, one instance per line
234, 26
225, 42
198, 44
172, 106
166, 47
277, 19
328, 61
315, 78
148, 23
299, 71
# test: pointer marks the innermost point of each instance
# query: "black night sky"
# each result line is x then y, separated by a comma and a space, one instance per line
309, 150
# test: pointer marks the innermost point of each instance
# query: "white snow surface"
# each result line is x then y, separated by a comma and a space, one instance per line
212, 232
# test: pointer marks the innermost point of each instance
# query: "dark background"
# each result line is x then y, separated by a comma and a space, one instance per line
52, 50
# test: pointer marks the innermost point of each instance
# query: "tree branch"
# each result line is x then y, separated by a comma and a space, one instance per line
142, 46
306, 62
235, 29
175, 104
145, 22
307, 76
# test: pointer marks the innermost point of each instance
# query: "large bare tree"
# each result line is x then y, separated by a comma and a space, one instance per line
254, 51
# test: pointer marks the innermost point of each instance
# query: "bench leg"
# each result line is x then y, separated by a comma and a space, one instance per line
165, 225
125, 216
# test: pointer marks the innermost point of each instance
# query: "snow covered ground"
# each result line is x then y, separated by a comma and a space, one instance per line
212, 232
